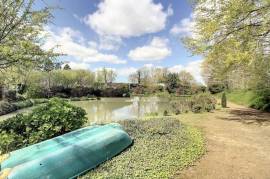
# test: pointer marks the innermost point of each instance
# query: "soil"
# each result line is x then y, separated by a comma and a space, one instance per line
237, 142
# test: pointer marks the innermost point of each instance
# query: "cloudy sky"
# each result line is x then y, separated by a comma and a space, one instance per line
122, 34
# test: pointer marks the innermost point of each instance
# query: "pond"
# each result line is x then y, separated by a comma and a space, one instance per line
113, 109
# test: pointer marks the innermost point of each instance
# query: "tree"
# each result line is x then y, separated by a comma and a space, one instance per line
234, 38
136, 77
224, 100
67, 67
20, 33
186, 78
172, 82
111, 76
106, 75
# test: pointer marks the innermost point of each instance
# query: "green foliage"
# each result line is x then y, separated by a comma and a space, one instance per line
172, 82
165, 113
23, 104
262, 100
233, 36
20, 38
6, 107
67, 67
203, 102
161, 147
224, 100
197, 108
258, 99
241, 97
151, 114
47, 121
10, 95
216, 88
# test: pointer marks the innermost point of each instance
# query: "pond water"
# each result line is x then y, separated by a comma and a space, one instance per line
113, 109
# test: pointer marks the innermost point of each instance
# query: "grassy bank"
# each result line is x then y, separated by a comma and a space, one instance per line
161, 148
259, 99
244, 98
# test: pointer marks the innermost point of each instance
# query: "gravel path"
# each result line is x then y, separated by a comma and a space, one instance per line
238, 145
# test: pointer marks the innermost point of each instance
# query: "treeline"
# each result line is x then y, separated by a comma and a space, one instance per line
233, 36
154, 80
65, 83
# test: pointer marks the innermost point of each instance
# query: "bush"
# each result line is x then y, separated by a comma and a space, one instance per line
138, 90
23, 104
10, 95
165, 113
7, 107
204, 101
216, 88
197, 108
53, 119
115, 92
262, 100
224, 100
39, 101
35, 91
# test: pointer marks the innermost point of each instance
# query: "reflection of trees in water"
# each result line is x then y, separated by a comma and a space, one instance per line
119, 109
102, 111
148, 105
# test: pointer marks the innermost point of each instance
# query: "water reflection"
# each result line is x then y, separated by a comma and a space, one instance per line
113, 109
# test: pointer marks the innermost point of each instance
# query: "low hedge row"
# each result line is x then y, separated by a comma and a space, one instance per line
77, 92
8, 107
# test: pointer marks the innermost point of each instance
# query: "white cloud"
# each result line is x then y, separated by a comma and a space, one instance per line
128, 18
77, 65
186, 27
193, 67
72, 43
157, 50
109, 42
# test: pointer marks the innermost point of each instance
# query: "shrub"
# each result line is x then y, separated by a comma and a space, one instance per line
224, 100
7, 107
20, 97
177, 112
216, 88
151, 114
262, 100
45, 122
165, 113
39, 101
23, 104
10, 95
138, 90
35, 91
197, 108
204, 100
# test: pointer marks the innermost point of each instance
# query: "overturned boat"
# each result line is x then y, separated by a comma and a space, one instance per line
66, 156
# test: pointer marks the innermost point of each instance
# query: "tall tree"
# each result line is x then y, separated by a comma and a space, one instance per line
233, 35
20, 33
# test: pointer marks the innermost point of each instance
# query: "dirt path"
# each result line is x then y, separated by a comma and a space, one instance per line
238, 145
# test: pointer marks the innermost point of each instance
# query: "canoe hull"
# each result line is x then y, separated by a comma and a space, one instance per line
76, 158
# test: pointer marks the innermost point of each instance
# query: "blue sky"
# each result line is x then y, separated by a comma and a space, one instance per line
122, 34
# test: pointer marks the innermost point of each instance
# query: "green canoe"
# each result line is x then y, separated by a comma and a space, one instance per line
67, 156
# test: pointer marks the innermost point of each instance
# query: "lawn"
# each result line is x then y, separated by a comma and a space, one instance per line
162, 146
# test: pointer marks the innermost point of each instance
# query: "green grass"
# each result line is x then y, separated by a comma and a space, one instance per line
162, 146
241, 97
